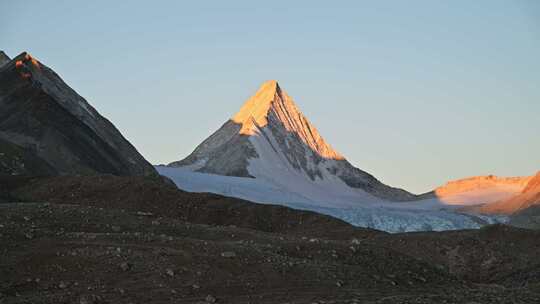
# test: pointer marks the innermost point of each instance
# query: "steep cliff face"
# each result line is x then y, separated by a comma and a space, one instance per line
269, 138
42, 116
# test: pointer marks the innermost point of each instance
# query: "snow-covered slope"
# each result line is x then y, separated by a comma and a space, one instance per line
428, 214
270, 153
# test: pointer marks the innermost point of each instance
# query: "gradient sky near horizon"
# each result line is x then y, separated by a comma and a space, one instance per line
414, 92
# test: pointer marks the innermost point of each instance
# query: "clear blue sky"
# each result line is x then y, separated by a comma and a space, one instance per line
414, 92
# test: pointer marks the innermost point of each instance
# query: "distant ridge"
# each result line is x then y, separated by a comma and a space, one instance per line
528, 197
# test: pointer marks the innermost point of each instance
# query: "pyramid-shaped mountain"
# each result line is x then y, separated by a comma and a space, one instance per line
270, 139
46, 128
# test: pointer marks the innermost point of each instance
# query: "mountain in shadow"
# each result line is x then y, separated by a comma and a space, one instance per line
46, 128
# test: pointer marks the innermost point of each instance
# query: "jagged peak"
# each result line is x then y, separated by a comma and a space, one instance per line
25, 56
271, 99
257, 107
33, 72
24, 64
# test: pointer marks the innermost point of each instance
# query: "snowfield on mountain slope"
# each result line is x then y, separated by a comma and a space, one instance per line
429, 214
269, 152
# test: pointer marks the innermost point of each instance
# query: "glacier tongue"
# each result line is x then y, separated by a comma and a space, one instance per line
429, 214
405, 220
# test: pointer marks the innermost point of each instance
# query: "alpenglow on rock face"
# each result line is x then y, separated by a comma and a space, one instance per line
269, 138
47, 126
270, 153
528, 197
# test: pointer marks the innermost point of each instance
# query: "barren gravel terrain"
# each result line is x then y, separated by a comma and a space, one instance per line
112, 239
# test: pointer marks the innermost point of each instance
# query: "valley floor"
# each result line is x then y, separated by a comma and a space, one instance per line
132, 240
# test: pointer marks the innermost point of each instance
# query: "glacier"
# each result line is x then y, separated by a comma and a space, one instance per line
270, 153
422, 215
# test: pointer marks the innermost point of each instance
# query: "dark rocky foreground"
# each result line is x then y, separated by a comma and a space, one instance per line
106, 239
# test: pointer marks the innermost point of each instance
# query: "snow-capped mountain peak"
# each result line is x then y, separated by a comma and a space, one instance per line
270, 153
270, 139
272, 105
257, 107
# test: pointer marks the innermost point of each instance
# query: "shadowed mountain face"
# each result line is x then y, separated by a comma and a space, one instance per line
3, 58
42, 118
15, 160
270, 138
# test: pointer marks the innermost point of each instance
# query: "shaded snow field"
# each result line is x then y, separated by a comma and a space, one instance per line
351, 205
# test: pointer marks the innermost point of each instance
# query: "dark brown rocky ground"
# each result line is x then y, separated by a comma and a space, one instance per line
108, 239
